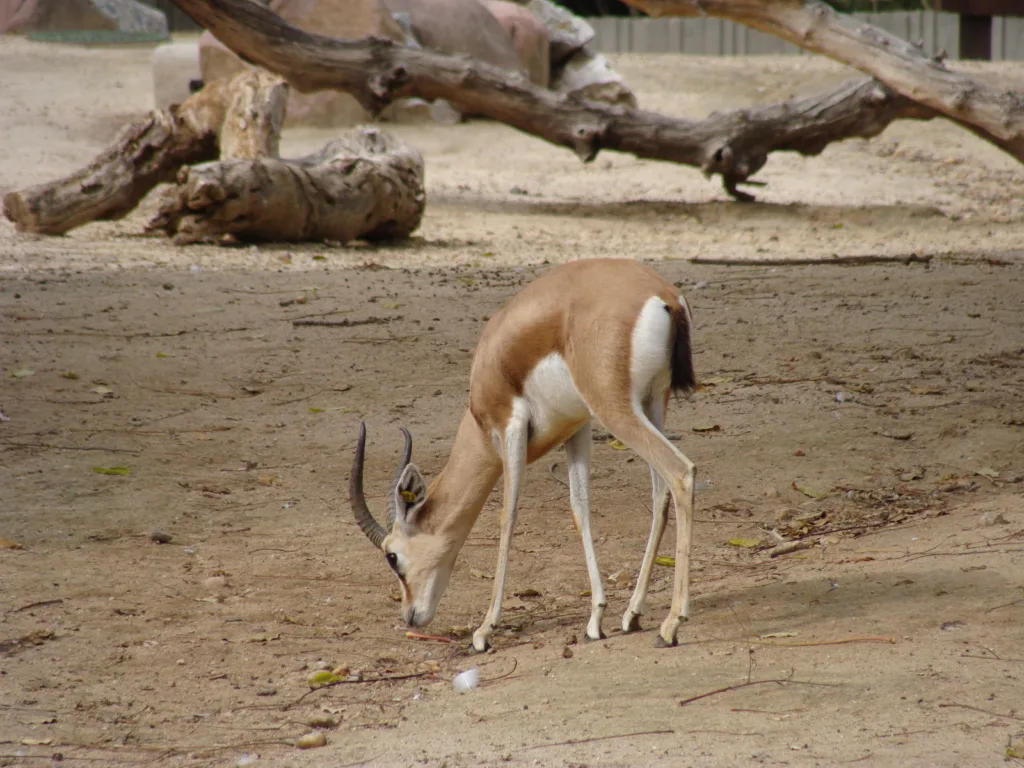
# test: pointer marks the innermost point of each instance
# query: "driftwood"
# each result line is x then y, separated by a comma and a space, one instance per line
376, 71
991, 113
367, 185
236, 117
145, 153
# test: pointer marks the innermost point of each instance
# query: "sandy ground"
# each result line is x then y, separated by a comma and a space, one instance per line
895, 640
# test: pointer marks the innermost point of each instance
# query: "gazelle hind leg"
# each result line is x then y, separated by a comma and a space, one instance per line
577, 449
659, 517
637, 431
514, 458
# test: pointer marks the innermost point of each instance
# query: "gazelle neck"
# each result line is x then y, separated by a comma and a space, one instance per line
460, 491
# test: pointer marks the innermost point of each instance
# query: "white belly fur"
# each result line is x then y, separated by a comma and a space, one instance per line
552, 397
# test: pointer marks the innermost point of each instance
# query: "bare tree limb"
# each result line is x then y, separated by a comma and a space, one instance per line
378, 71
994, 114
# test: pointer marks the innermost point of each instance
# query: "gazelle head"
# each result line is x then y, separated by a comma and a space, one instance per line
422, 560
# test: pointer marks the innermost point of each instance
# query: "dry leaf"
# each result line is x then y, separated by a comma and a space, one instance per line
745, 543
21, 373
10, 544
806, 490
618, 445
895, 435
926, 390
408, 496
772, 635
988, 472
706, 428
268, 480
668, 562
712, 381
112, 470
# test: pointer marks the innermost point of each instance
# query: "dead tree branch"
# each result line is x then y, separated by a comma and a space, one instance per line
993, 114
378, 71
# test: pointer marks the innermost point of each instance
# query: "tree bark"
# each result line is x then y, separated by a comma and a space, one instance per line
376, 71
239, 118
258, 102
993, 114
366, 186
145, 153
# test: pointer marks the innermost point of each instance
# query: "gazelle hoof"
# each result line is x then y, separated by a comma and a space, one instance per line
633, 624
661, 642
588, 639
480, 645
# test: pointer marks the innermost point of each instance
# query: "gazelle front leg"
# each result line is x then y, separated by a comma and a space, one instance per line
514, 460
577, 449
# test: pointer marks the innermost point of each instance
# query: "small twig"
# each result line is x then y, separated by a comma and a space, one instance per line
435, 638
572, 742
348, 322
69, 447
556, 478
962, 554
40, 604
788, 547
189, 392
769, 382
1004, 605
1010, 716
515, 665
842, 641
726, 689
299, 399
356, 682
844, 261
989, 658
272, 549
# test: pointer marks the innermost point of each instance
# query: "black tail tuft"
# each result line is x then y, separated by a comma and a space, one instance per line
684, 380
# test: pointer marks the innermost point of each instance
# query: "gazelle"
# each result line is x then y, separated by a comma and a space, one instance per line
604, 337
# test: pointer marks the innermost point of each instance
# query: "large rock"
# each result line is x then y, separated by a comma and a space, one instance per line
529, 37
567, 31
23, 16
588, 76
460, 27
350, 19
175, 68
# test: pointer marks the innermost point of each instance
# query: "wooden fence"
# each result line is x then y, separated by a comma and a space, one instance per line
714, 37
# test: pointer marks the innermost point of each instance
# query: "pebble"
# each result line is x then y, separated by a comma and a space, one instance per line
993, 518
215, 582
311, 740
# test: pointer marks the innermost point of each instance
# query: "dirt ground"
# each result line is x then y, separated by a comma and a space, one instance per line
873, 411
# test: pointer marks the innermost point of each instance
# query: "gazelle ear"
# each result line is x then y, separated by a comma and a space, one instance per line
410, 493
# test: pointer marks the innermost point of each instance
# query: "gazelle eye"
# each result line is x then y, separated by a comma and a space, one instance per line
392, 559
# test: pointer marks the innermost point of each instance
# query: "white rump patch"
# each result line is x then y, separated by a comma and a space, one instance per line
650, 366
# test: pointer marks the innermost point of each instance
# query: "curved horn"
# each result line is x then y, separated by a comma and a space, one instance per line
406, 458
367, 524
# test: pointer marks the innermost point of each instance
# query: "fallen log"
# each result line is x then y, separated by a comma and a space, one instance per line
241, 116
366, 186
376, 71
